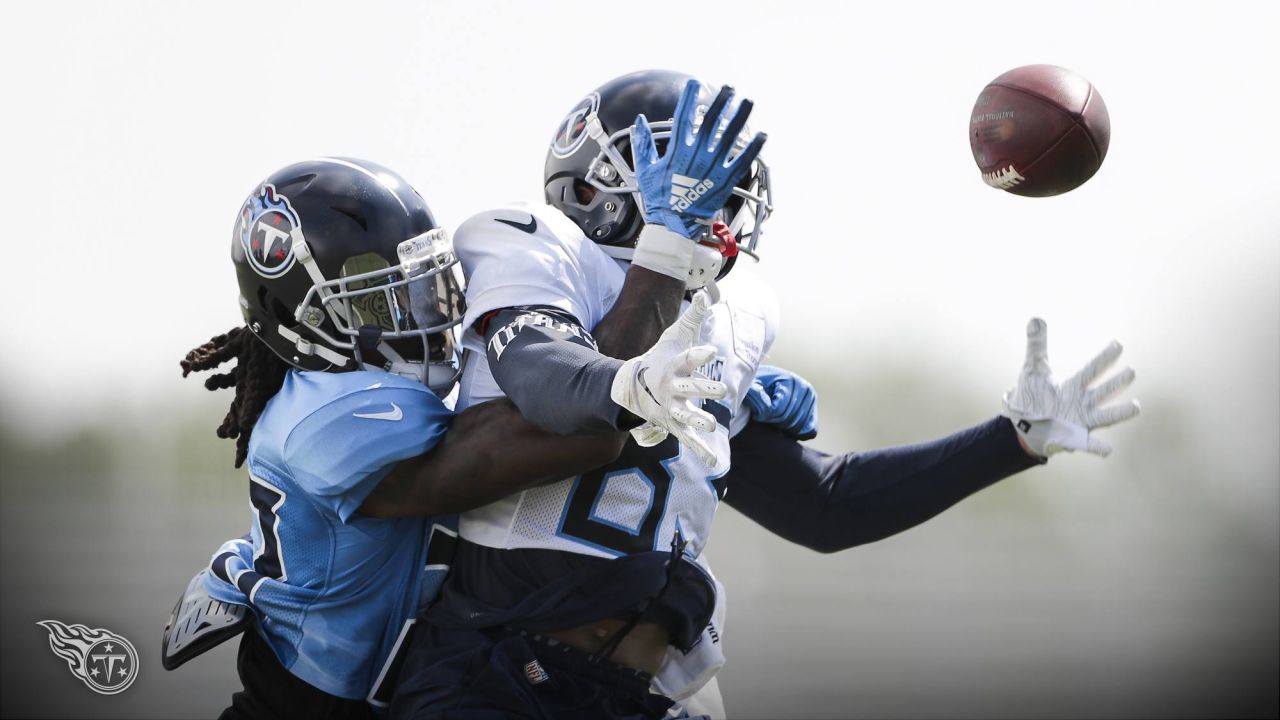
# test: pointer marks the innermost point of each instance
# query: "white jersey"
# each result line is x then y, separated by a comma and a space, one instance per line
525, 255
637, 503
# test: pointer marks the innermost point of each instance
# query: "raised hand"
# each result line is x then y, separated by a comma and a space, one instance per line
685, 187
1052, 417
661, 388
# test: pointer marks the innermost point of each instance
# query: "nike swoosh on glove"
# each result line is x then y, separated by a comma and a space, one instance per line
1051, 416
661, 388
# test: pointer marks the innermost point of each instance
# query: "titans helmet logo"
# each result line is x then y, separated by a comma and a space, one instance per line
266, 227
572, 131
101, 659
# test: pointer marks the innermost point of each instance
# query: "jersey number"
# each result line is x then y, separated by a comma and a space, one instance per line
587, 518
267, 500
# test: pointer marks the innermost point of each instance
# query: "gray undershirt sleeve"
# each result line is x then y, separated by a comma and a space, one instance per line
548, 365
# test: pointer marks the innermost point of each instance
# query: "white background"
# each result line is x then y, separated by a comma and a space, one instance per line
132, 132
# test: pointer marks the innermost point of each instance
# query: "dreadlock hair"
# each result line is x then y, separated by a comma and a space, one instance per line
257, 376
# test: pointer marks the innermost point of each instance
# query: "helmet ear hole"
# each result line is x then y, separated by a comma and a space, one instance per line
583, 192
271, 306
281, 313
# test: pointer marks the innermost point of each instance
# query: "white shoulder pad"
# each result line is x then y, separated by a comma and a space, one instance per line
523, 254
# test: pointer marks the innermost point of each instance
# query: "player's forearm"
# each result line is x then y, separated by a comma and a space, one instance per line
648, 304
547, 365
489, 453
558, 374
831, 503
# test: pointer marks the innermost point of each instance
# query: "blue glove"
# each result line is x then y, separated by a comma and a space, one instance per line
692, 181
784, 399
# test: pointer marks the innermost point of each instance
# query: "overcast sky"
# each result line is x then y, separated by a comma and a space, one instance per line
134, 130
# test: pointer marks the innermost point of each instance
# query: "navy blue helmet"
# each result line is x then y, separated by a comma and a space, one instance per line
589, 174
341, 264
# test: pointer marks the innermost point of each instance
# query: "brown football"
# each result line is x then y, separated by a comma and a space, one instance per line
1039, 130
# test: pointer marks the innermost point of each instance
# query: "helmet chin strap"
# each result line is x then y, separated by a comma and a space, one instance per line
397, 365
439, 377
618, 253
306, 347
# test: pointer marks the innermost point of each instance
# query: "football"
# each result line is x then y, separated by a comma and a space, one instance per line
1039, 130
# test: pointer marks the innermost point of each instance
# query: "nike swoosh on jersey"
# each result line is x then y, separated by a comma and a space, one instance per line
530, 227
394, 414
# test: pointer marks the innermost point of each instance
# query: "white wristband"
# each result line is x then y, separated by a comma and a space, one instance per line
664, 251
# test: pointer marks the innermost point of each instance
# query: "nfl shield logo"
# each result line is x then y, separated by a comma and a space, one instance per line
533, 670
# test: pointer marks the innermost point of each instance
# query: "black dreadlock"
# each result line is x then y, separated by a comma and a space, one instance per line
257, 377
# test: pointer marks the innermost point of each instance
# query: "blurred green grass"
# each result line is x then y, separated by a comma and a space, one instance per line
1113, 588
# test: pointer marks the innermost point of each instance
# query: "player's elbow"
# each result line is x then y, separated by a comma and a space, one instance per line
820, 544
821, 535
828, 539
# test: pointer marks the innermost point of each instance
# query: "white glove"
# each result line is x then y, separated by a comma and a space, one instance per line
659, 386
1051, 417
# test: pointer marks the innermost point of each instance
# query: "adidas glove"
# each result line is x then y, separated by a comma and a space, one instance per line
692, 181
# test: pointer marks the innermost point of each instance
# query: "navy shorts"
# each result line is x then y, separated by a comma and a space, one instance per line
270, 691
509, 674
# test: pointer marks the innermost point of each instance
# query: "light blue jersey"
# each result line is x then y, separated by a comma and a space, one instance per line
333, 590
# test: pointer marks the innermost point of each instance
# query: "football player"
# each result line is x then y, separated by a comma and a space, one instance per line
583, 597
350, 299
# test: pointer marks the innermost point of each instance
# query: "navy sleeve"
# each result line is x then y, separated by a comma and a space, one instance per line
548, 365
834, 502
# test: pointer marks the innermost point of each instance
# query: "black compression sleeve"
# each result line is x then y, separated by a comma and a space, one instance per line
548, 365
830, 503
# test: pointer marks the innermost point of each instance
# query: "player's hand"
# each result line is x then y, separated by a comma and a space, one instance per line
661, 388
685, 187
1052, 417
785, 400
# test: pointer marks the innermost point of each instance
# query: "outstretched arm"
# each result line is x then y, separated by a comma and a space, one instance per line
830, 503
490, 452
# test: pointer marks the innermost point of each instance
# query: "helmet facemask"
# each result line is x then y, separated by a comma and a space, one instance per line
612, 171
401, 318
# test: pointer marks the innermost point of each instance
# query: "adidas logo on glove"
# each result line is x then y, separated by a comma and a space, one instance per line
686, 190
